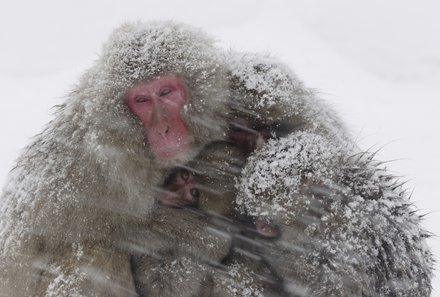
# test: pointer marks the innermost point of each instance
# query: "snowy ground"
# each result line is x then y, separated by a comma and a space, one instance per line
378, 62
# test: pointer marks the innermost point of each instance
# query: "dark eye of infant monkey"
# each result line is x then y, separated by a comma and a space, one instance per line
181, 189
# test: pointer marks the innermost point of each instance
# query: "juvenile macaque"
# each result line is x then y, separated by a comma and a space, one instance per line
82, 194
347, 227
180, 189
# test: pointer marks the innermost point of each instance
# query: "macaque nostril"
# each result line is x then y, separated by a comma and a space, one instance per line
184, 174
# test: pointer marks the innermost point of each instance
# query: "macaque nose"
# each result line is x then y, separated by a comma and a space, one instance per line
158, 113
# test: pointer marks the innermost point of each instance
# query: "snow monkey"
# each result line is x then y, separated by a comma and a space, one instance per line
347, 227
80, 200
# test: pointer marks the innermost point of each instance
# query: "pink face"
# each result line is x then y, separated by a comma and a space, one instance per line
158, 104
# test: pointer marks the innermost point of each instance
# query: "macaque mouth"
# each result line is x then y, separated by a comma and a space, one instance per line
170, 141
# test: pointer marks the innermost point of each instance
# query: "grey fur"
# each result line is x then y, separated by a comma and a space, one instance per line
176, 253
88, 180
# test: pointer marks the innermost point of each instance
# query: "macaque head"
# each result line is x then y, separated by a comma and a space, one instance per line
158, 92
158, 104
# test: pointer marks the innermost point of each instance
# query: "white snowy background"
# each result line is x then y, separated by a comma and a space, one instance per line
376, 61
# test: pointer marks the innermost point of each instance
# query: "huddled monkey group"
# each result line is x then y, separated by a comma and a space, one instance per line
175, 168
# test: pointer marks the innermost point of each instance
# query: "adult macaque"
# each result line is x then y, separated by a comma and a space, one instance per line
82, 194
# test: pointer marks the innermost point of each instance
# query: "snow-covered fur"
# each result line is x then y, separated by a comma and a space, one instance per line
265, 91
88, 179
348, 227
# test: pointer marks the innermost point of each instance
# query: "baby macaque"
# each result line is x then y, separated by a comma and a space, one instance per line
180, 190
83, 193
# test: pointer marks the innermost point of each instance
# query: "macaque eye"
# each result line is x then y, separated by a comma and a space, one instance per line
165, 91
141, 99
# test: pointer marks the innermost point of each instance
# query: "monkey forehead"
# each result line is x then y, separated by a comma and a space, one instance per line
170, 80
142, 51
139, 52
265, 75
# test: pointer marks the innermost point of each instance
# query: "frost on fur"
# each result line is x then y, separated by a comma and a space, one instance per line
345, 220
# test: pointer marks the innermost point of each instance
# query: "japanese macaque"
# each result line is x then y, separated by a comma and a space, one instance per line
81, 199
347, 227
